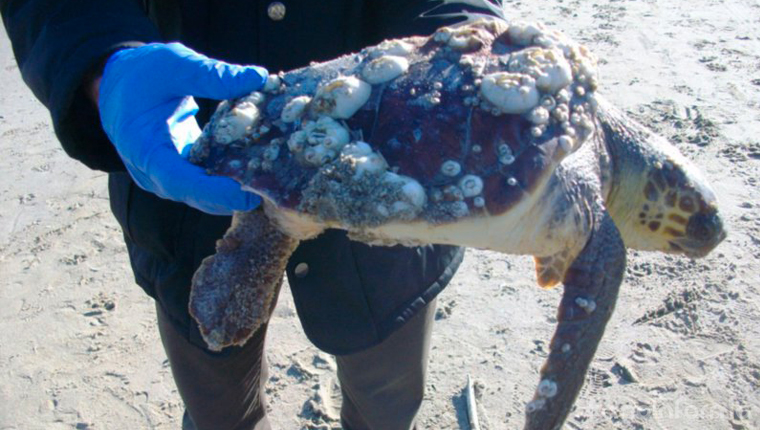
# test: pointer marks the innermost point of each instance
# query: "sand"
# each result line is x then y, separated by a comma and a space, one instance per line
79, 347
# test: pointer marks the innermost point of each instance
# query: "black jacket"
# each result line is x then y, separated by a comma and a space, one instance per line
354, 295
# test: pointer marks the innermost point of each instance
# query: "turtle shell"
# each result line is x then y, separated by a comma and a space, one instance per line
462, 123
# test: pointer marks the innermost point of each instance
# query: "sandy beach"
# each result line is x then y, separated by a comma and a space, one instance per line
79, 348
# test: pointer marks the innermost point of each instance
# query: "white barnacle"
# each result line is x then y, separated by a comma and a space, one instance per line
471, 185
452, 192
561, 113
342, 97
593, 103
363, 159
392, 47
523, 33
506, 159
466, 61
273, 84
548, 102
539, 115
547, 388
272, 152
357, 149
566, 348
254, 164
548, 66
512, 181
450, 168
294, 109
535, 405
464, 39
537, 131
583, 59
588, 124
587, 305
297, 141
510, 92
255, 97
330, 133
566, 143
553, 39
459, 209
325, 132
384, 69
315, 155
442, 35
221, 132
593, 83
436, 195
505, 154
382, 210
370, 164
414, 193
493, 26
236, 123
479, 202
563, 96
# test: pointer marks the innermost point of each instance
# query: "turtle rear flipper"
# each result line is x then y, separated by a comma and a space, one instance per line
591, 288
233, 292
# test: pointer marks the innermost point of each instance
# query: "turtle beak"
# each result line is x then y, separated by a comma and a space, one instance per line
704, 232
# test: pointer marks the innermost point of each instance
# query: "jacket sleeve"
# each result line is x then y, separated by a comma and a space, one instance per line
390, 19
56, 44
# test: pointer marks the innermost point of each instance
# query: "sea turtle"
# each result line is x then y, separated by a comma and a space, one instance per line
488, 135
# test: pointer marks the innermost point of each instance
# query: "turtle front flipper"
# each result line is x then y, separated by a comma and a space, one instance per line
591, 288
233, 292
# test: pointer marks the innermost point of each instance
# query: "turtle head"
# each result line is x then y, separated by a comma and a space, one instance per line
657, 197
676, 210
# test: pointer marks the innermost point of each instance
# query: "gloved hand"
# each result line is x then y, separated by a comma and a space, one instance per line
147, 111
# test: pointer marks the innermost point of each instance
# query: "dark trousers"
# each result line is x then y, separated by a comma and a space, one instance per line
382, 386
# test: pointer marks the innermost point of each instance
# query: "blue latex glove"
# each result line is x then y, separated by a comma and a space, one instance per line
147, 111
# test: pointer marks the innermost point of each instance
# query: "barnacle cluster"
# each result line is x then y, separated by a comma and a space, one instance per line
543, 75
318, 142
359, 190
564, 75
238, 122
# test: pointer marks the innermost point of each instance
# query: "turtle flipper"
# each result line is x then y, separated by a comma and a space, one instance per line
233, 291
549, 270
591, 289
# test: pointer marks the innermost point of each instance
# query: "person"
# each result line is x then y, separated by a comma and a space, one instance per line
118, 92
